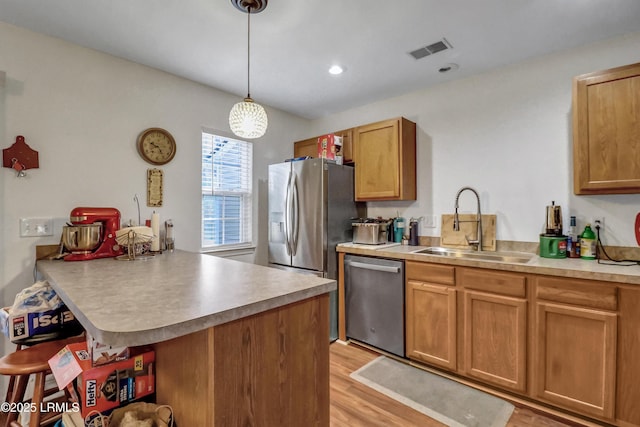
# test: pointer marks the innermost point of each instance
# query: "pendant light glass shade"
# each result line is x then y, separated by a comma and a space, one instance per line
248, 119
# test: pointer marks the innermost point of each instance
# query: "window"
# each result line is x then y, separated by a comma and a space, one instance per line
226, 191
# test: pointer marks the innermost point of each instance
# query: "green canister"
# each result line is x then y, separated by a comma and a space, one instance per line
588, 243
553, 246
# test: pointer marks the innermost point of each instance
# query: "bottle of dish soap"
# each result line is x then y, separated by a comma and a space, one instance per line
588, 243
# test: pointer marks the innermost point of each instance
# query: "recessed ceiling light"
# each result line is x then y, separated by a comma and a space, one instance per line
336, 69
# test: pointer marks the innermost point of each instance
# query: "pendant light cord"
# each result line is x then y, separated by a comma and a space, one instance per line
248, 50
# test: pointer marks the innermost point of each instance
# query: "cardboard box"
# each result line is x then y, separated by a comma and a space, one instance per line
105, 387
101, 354
19, 327
329, 147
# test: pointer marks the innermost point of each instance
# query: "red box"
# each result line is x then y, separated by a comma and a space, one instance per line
329, 146
105, 387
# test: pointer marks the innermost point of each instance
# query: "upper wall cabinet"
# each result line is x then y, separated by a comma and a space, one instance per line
307, 147
606, 131
385, 154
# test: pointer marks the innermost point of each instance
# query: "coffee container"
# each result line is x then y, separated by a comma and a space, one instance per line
553, 246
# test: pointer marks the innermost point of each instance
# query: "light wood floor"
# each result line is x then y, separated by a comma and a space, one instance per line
356, 405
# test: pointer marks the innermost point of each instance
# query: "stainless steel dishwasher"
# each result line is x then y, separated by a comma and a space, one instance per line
374, 302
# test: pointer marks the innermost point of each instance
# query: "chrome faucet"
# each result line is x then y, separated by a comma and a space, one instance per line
456, 221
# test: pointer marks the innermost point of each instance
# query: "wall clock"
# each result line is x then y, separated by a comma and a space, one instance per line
156, 146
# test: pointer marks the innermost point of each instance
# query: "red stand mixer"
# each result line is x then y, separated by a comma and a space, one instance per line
92, 234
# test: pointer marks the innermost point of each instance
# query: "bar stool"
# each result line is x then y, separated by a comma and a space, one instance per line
22, 363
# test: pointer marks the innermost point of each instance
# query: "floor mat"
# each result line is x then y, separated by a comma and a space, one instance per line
444, 400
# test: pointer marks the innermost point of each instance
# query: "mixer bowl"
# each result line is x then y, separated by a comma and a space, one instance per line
81, 238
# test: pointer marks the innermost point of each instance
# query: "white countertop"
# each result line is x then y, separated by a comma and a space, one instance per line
565, 267
172, 294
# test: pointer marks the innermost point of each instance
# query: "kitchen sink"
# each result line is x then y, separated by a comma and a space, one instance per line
511, 257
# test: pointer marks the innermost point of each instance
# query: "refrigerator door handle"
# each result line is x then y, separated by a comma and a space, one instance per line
294, 214
287, 216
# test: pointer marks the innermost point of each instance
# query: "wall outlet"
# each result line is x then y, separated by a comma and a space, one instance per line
597, 221
35, 227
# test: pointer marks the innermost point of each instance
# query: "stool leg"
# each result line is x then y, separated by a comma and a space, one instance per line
18, 389
38, 396
12, 382
17, 395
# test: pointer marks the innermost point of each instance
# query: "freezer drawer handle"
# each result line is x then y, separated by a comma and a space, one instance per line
375, 267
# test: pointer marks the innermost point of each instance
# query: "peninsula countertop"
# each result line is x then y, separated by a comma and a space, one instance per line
170, 295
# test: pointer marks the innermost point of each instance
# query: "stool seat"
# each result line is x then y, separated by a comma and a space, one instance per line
33, 359
24, 362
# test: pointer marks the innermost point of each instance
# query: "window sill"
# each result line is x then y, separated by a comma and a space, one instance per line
229, 251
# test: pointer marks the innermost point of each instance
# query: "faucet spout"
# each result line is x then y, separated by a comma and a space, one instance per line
456, 220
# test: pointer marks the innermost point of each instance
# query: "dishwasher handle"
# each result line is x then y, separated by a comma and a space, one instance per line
375, 267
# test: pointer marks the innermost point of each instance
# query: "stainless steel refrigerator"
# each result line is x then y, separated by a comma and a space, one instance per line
311, 205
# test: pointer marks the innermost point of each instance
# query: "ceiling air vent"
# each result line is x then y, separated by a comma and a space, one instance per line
431, 49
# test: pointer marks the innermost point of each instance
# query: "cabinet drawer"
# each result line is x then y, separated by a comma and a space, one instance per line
586, 293
432, 273
497, 282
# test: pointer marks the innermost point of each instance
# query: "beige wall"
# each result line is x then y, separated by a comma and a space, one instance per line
82, 111
508, 134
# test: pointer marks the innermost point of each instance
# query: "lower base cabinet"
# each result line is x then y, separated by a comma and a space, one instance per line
576, 358
495, 339
433, 305
570, 343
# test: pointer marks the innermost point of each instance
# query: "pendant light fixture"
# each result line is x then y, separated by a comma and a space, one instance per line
248, 119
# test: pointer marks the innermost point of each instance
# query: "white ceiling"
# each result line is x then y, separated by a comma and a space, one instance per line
293, 42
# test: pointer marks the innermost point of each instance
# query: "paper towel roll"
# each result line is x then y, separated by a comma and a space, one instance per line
155, 227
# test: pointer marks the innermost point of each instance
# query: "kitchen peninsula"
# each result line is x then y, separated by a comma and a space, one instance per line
236, 343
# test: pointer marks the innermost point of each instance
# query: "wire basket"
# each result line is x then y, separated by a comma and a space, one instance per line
136, 242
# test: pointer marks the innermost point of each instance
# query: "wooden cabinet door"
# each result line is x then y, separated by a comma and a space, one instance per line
628, 357
307, 147
431, 324
385, 160
495, 339
606, 131
575, 358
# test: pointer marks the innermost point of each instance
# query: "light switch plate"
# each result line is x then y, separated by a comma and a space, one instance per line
430, 221
36, 227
